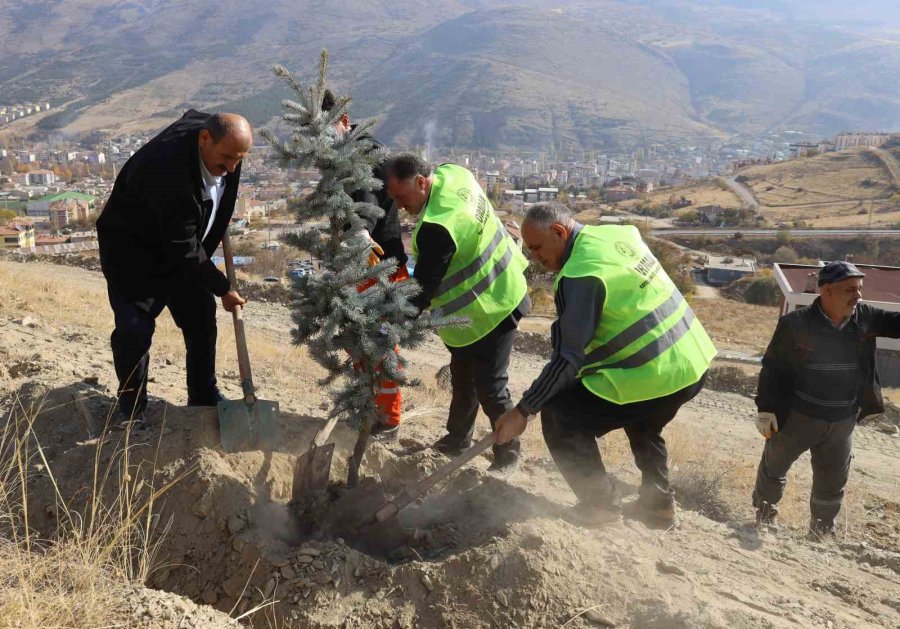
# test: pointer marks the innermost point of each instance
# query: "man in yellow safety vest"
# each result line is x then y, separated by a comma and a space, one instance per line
627, 353
468, 267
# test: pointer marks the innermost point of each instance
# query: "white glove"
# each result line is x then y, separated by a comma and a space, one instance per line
767, 424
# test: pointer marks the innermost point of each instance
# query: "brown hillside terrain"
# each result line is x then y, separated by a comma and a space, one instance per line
829, 190
486, 551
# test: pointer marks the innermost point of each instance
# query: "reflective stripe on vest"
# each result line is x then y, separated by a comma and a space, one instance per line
654, 348
484, 281
636, 330
648, 343
454, 306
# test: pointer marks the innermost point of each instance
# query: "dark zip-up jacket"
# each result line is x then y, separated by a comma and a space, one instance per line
386, 230
797, 372
151, 228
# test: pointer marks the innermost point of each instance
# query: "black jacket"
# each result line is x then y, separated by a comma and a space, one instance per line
386, 230
151, 228
798, 333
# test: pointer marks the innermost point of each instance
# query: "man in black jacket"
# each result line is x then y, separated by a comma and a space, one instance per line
818, 379
387, 243
169, 208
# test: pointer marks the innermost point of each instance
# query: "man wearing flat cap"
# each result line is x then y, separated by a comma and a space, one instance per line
818, 379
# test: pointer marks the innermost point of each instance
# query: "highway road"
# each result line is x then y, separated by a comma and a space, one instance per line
795, 233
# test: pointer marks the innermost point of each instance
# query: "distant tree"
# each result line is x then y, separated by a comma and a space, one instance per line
7, 215
784, 237
763, 291
785, 255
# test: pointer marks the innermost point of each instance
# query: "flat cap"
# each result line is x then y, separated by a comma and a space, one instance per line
837, 271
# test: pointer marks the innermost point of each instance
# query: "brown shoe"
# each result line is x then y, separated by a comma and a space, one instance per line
592, 515
659, 517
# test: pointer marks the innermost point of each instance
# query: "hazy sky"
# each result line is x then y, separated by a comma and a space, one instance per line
887, 11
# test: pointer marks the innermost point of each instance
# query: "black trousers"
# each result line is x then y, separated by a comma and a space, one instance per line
574, 419
194, 310
478, 375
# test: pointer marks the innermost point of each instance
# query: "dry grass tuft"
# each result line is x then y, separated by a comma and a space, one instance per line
78, 575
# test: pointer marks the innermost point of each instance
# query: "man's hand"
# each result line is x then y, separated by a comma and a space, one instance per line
231, 299
375, 254
767, 424
509, 425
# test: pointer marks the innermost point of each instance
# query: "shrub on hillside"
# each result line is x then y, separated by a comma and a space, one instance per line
763, 291
785, 255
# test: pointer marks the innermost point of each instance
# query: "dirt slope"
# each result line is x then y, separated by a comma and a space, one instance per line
487, 552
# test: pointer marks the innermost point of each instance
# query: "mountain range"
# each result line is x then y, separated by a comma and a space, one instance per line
536, 74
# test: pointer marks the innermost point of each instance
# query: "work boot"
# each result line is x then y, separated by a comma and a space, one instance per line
821, 531
211, 398
766, 515
593, 515
660, 516
506, 462
128, 421
451, 446
385, 432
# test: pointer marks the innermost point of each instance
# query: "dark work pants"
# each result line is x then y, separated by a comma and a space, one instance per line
194, 310
574, 419
829, 445
478, 377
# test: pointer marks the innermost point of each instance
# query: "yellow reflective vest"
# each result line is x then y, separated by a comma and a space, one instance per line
648, 343
484, 281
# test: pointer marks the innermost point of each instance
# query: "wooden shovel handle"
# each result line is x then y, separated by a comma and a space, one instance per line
239, 335
420, 487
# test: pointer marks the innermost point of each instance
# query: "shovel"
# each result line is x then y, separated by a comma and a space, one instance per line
367, 516
250, 423
313, 468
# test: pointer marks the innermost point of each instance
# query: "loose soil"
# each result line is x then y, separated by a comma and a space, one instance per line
485, 551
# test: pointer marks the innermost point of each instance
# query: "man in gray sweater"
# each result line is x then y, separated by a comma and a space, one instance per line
818, 379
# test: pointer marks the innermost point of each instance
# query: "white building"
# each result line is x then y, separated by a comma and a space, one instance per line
40, 178
845, 141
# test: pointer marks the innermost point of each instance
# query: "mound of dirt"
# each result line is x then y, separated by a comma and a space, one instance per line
533, 343
731, 380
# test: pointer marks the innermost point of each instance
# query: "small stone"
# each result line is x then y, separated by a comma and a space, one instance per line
501, 598
233, 587
303, 560
209, 596
669, 568
269, 588
595, 617
287, 572
888, 429
321, 578
426, 581
238, 544
236, 524
318, 564
309, 552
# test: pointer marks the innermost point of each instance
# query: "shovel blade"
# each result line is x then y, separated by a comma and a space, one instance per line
312, 471
246, 426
